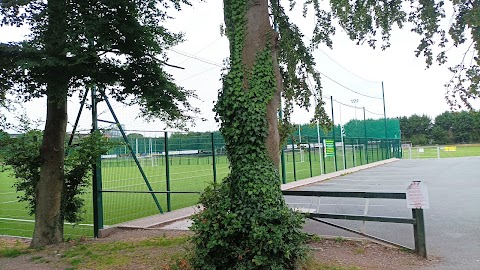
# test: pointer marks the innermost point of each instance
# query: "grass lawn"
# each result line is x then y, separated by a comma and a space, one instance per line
187, 173
444, 151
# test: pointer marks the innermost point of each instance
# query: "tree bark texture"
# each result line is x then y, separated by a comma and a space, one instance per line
259, 34
49, 195
50, 188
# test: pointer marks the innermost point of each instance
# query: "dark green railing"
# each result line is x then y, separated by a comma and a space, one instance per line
417, 219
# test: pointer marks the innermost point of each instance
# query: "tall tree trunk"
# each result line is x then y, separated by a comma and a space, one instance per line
273, 138
259, 34
246, 223
50, 188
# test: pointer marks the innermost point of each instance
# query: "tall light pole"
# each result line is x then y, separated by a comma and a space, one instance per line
385, 121
384, 112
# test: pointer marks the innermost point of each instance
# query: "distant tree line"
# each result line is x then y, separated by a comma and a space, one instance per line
446, 128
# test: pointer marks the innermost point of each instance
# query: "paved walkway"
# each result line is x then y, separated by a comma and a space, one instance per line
452, 222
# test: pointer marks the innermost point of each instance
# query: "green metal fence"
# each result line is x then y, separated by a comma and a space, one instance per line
177, 167
305, 157
417, 219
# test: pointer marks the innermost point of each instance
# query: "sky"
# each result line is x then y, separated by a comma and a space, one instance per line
409, 87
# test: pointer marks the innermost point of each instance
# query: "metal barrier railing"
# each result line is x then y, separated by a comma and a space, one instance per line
417, 219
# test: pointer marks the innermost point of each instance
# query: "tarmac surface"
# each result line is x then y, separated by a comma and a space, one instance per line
452, 221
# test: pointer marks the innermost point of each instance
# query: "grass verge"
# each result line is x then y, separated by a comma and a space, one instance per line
157, 252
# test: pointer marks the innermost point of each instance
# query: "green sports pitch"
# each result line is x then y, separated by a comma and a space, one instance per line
191, 173
441, 151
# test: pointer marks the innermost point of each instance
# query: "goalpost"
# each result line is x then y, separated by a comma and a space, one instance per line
407, 145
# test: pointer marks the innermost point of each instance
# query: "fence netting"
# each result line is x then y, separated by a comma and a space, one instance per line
178, 167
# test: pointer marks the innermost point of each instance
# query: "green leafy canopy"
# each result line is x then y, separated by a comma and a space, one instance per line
372, 22
116, 45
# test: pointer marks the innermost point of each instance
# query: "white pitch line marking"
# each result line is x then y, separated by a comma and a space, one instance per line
8, 202
33, 221
340, 204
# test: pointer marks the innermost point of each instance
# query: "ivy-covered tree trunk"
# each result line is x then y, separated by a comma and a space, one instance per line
260, 36
246, 223
51, 185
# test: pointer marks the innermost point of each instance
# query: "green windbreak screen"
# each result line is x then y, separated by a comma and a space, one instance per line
375, 128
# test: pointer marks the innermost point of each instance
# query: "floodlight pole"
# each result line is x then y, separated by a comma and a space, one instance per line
320, 151
333, 135
344, 158
385, 120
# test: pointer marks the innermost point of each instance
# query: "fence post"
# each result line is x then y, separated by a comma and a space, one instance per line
419, 232
360, 150
438, 151
97, 176
323, 158
389, 149
381, 145
386, 149
294, 165
284, 169
320, 152
354, 162
400, 148
167, 173
214, 162
310, 159
394, 149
